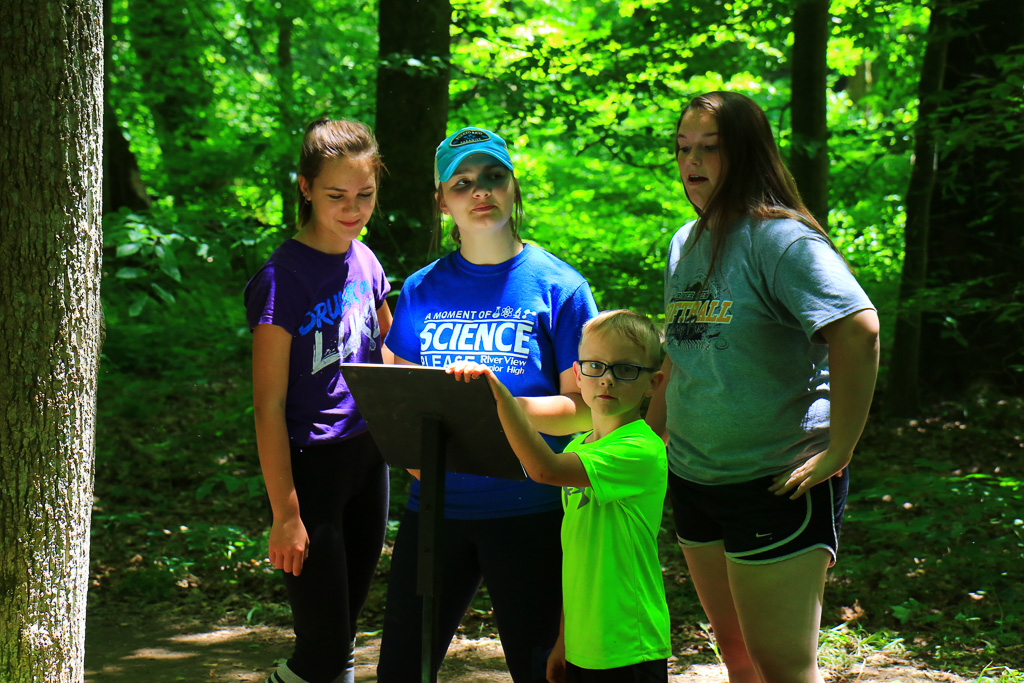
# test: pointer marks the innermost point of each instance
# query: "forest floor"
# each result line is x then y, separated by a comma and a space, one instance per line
928, 579
168, 649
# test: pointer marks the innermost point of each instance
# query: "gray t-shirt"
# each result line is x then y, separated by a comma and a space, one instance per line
749, 394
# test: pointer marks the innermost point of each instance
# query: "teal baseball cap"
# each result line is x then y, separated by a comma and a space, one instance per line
461, 144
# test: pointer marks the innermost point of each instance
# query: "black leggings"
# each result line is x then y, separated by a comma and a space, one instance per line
343, 499
519, 557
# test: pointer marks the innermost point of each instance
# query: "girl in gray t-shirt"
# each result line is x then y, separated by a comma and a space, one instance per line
772, 353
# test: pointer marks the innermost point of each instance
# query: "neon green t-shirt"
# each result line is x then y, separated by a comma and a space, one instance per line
612, 590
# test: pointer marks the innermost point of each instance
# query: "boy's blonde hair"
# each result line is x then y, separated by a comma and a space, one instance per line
635, 327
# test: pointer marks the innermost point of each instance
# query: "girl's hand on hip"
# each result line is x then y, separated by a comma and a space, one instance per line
812, 472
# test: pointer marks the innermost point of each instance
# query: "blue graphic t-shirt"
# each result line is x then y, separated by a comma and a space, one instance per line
328, 302
522, 318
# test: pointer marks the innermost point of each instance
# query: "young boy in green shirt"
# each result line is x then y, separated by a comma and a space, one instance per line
615, 624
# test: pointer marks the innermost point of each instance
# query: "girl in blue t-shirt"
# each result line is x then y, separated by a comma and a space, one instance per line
519, 310
317, 302
772, 351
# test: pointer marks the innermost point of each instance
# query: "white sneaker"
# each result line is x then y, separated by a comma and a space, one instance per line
285, 675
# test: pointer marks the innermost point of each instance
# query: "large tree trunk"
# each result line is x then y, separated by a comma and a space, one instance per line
903, 395
51, 67
975, 249
808, 161
412, 114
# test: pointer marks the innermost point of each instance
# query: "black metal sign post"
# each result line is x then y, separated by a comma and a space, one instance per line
458, 431
431, 522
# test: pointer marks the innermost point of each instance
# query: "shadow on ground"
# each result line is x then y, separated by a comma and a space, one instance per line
166, 653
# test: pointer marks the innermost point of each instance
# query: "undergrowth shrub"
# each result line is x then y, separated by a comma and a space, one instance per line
930, 554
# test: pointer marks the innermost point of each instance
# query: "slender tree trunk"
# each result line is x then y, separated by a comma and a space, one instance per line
122, 181
903, 395
170, 62
808, 160
975, 249
51, 67
286, 85
412, 115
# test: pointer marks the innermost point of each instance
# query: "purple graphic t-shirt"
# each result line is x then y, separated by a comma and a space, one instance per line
328, 302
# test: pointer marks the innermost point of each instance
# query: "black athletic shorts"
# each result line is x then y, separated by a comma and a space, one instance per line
756, 526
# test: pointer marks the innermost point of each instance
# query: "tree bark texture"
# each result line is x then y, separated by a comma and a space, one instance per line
903, 396
809, 160
51, 75
412, 115
974, 336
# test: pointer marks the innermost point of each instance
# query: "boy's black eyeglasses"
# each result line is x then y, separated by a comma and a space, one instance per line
624, 372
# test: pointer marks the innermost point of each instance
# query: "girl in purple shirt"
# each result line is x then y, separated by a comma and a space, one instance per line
317, 302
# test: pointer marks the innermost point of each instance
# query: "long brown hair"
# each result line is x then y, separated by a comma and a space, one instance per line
328, 140
755, 180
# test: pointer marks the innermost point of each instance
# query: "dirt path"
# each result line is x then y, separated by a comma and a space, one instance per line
131, 653
159, 653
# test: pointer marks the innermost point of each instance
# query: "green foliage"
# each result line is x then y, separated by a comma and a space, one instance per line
1000, 674
933, 531
842, 647
145, 256
930, 547
174, 433
587, 93
239, 145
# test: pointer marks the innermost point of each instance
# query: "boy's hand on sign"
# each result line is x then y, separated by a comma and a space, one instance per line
467, 371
